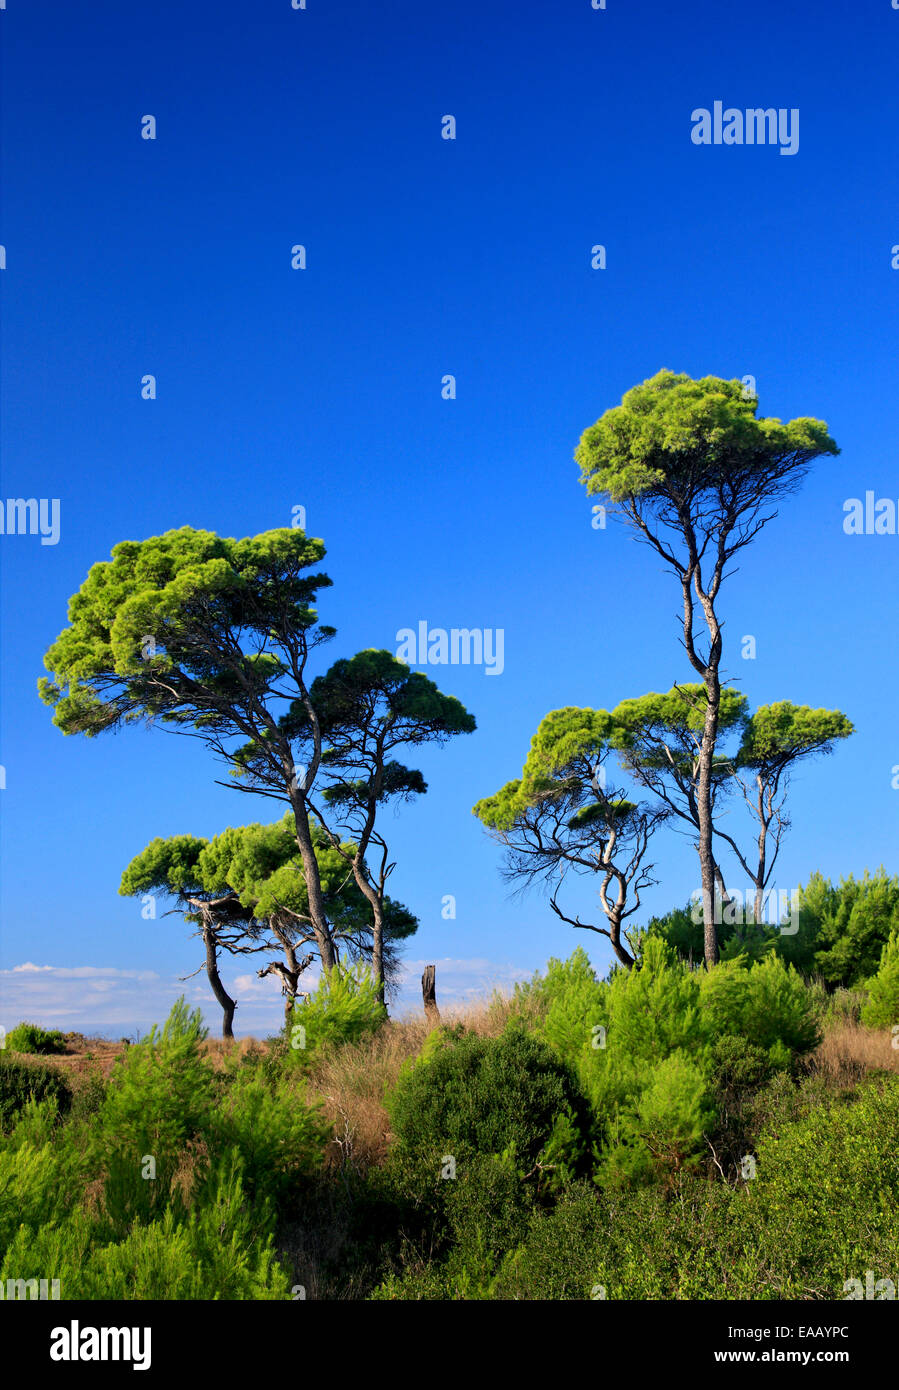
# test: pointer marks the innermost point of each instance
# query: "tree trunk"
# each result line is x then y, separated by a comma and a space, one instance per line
707, 865
377, 946
376, 900
624, 956
763, 855
218, 989
319, 916
429, 995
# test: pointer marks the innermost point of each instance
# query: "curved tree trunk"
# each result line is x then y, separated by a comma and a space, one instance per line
228, 1004
624, 956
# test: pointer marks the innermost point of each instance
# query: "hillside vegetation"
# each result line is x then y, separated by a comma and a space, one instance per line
666, 1132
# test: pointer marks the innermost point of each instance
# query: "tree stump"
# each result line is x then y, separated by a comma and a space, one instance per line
429, 995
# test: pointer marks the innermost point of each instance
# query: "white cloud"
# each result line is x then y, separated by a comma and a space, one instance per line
104, 1000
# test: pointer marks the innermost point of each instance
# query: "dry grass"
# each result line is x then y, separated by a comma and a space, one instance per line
849, 1052
351, 1081
216, 1050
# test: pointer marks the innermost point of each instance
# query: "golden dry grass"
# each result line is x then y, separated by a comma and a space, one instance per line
351, 1081
849, 1051
216, 1050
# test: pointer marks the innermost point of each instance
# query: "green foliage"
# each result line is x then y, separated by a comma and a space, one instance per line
882, 1008
568, 999
30, 1037
558, 780
33, 1187
644, 722
157, 1105
344, 1008
767, 1003
221, 1251
844, 928
23, 1081
682, 931
254, 873
160, 1090
503, 1096
674, 433
779, 734
191, 591
823, 1209
280, 1138
169, 866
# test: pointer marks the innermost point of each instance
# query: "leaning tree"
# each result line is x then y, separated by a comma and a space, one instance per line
563, 816
261, 866
697, 476
170, 868
211, 637
245, 891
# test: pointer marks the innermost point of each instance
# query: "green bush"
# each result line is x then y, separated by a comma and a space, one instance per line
767, 1003
29, 1037
477, 1096
567, 1002
882, 1008
24, 1081
223, 1250
488, 1210
822, 1210
345, 1006
35, 1187
157, 1106
844, 928
279, 1136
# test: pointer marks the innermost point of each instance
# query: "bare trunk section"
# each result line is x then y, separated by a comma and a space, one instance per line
429, 995
707, 865
376, 900
317, 912
289, 974
624, 956
228, 1004
763, 855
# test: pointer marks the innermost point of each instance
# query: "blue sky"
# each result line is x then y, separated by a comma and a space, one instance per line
321, 388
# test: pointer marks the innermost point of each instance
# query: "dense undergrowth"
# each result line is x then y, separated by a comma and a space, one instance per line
663, 1133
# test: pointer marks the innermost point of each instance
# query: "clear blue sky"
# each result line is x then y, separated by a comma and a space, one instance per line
321, 388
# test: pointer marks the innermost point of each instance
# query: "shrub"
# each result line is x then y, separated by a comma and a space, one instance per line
279, 1137
159, 1093
478, 1096
24, 1081
568, 1001
844, 928
157, 1104
29, 1037
33, 1189
345, 1006
658, 1130
882, 1007
222, 1251
766, 1003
